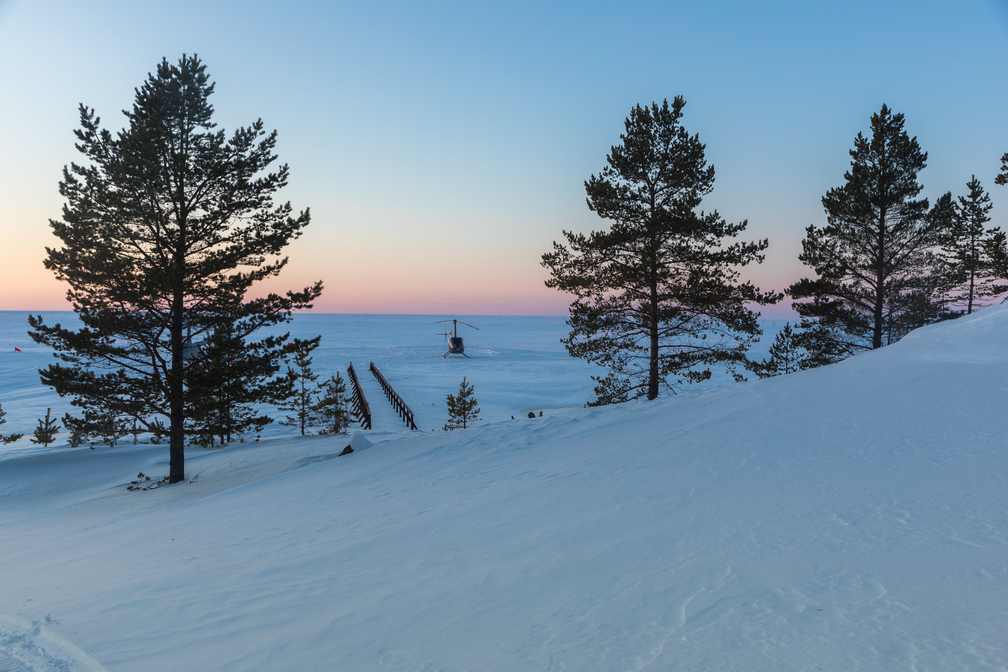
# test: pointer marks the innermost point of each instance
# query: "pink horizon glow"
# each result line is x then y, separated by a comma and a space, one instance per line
518, 305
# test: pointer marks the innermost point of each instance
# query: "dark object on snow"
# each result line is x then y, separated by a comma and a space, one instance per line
456, 346
346, 451
531, 414
540, 414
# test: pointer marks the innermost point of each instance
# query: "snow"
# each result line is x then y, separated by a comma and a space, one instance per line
850, 517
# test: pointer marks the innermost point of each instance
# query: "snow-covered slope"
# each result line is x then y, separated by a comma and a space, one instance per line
851, 517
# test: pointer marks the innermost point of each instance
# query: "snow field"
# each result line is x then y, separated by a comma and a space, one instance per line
851, 517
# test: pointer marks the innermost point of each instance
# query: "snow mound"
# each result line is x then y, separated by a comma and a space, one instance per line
30, 646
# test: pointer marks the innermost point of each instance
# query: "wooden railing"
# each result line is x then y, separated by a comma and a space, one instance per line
397, 403
360, 405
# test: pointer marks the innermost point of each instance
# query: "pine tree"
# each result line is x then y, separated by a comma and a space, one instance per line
76, 432
166, 227
969, 271
301, 403
46, 431
462, 408
331, 411
787, 355
657, 299
110, 429
227, 382
996, 245
875, 256
996, 250
105, 426
1002, 177
7, 438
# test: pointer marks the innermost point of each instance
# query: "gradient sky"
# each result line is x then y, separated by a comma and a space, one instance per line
443, 146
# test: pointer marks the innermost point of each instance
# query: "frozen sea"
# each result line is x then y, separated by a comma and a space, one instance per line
516, 365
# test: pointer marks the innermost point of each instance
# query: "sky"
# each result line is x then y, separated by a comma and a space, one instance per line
443, 146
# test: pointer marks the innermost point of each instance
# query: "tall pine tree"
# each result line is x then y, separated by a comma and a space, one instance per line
657, 298
166, 226
996, 246
969, 271
874, 259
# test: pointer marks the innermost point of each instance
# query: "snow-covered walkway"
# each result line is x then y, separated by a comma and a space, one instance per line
383, 417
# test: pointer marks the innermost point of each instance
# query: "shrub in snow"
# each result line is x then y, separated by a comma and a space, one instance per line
144, 482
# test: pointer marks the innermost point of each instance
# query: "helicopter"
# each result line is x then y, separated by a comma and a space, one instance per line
456, 346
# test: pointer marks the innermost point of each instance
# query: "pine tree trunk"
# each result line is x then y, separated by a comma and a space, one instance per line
652, 379
879, 283
176, 457
176, 400
972, 272
969, 308
652, 392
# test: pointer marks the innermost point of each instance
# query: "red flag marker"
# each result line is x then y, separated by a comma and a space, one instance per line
17, 349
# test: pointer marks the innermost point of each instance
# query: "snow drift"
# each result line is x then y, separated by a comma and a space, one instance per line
850, 517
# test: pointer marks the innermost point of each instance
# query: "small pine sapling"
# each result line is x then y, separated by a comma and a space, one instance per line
77, 434
103, 425
301, 404
7, 438
462, 408
786, 355
46, 431
109, 428
229, 380
331, 411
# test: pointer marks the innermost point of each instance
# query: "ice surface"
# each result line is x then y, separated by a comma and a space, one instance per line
850, 517
516, 364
